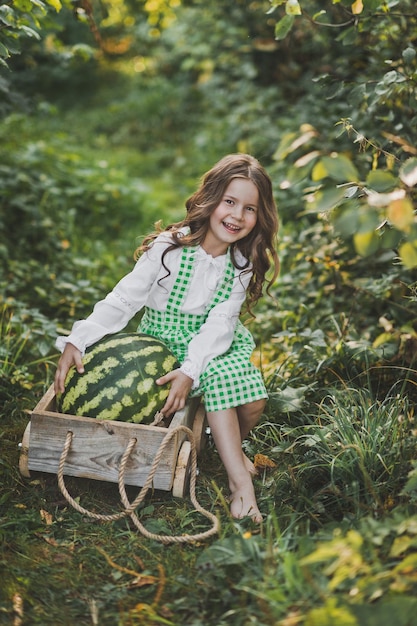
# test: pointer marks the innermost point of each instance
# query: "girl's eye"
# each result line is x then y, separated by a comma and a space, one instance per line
228, 201
251, 208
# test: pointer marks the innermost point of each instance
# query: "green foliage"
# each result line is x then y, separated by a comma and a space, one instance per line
129, 104
25, 370
371, 195
52, 192
20, 19
23, 23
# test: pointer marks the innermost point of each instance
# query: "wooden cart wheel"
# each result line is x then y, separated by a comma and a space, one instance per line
182, 471
24, 453
199, 428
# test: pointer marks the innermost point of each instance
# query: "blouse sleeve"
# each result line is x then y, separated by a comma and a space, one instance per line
112, 314
216, 334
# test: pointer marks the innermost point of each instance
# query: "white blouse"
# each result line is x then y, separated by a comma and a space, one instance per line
140, 288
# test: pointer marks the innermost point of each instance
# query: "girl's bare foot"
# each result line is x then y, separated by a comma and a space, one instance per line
243, 502
250, 466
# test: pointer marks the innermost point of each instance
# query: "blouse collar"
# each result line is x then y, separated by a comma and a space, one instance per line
217, 261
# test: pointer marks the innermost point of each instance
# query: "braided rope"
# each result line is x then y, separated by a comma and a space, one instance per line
129, 507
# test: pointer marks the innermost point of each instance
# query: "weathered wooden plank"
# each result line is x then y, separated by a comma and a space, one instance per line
98, 446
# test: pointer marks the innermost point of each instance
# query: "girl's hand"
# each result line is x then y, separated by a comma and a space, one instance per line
71, 356
180, 388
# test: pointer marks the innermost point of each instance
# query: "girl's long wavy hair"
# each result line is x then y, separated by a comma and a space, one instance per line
258, 247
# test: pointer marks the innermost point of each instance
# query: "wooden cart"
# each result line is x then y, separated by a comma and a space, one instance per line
97, 446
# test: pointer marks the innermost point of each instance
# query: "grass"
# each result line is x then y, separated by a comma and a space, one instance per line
332, 478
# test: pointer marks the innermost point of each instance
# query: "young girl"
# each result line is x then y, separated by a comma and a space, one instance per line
191, 280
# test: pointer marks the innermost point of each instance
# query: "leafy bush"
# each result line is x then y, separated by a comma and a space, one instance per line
373, 193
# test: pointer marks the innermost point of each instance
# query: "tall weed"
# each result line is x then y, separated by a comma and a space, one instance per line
348, 459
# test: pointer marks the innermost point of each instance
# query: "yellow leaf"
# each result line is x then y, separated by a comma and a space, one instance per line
56, 4
366, 243
408, 254
319, 171
357, 7
401, 214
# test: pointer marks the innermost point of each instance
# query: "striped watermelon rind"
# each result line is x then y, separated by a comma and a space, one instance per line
119, 380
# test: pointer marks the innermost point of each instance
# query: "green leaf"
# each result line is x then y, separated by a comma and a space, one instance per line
283, 27
347, 222
297, 174
338, 167
348, 36
234, 550
381, 181
289, 399
411, 484
409, 54
7, 15
399, 610
369, 219
327, 199
4, 51
343, 169
390, 238
83, 51
314, 338
371, 5
30, 32
408, 172
292, 141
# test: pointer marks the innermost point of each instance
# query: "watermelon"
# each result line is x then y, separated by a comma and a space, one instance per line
119, 380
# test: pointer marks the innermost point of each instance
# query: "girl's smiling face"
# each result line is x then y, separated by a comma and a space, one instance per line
234, 218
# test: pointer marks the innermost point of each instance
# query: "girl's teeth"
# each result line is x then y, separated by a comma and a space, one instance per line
231, 227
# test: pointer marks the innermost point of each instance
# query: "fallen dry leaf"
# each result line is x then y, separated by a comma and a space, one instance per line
261, 461
18, 609
46, 517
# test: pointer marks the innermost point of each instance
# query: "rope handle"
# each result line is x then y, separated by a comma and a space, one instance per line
129, 507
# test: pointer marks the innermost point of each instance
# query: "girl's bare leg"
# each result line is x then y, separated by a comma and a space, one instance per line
248, 416
226, 430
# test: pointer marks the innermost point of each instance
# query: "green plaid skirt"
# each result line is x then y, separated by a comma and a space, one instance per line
230, 379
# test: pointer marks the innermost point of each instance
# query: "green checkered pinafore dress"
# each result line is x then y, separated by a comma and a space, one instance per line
229, 379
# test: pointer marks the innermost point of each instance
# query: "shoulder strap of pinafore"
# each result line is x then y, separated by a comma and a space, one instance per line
182, 283
183, 280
